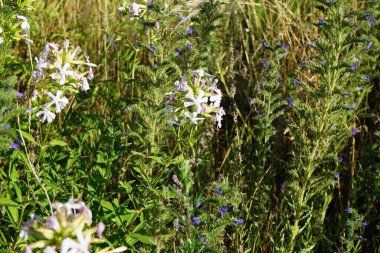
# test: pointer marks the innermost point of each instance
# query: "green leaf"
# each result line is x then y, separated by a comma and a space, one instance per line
143, 238
29, 137
58, 143
7, 202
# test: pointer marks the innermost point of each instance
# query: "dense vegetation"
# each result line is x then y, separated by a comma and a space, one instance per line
189, 126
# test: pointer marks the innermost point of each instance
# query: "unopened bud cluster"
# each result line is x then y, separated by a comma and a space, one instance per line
67, 230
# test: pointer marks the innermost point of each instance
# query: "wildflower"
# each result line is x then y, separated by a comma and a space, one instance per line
135, 10
181, 85
124, 134
367, 77
218, 191
346, 95
322, 21
257, 112
152, 48
20, 95
196, 101
99, 229
201, 239
25, 24
121, 8
60, 102
49, 249
82, 245
85, 86
182, 18
364, 223
354, 67
193, 117
217, 98
238, 222
290, 101
189, 32
250, 100
296, 81
219, 116
177, 52
27, 249
46, 115
361, 238
348, 210
189, 46
262, 84
265, 45
196, 221
265, 63
6, 126
62, 72
223, 210
15, 146
355, 131
282, 186
149, 4
199, 204
26, 227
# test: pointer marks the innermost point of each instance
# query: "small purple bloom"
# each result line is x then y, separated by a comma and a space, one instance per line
124, 134
367, 77
128, 108
199, 204
99, 229
257, 112
6, 126
265, 45
152, 48
182, 18
340, 159
189, 32
350, 108
223, 210
238, 222
336, 181
201, 239
189, 46
149, 3
355, 131
289, 101
361, 238
357, 59
15, 146
196, 221
180, 223
346, 95
336, 175
354, 67
266, 63
262, 84
218, 191
250, 100
20, 95
29, 109
177, 52
282, 186
367, 16
372, 22
364, 223
348, 210
296, 81
321, 21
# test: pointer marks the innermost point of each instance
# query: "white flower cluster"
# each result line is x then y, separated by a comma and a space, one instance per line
25, 28
64, 231
194, 99
60, 70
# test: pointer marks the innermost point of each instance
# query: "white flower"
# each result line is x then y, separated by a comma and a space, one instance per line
181, 85
49, 249
80, 246
25, 24
217, 98
71, 206
219, 118
59, 102
197, 101
1, 40
135, 9
28, 249
193, 117
85, 86
121, 8
62, 72
26, 227
1, 30
46, 115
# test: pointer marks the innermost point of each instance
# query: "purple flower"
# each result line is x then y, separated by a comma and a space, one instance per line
367, 77
257, 112
124, 134
223, 210
200, 5
196, 221
346, 95
189, 46
262, 84
340, 159
282, 186
355, 131
20, 95
265, 45
357, 59
149, 3
336, 181
354, 67
336, 175
266, 63
250, 100
238, 222
321, 21
364, 223
361, 238
296, 81
218, 191
182, 18
348, 210
289, 101
128, 108
15, 146
180, 224
6, 126
152, 48
189, 32
199, 204
201, 239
